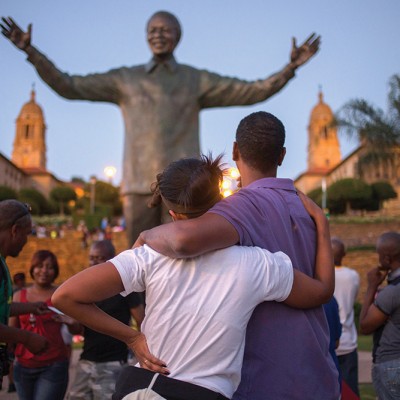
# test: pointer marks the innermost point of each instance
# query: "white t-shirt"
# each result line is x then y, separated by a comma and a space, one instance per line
347, 283
197, 309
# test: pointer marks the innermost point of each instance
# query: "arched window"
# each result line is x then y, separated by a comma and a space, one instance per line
27, 131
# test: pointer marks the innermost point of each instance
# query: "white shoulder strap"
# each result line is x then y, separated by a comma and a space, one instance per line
153, 380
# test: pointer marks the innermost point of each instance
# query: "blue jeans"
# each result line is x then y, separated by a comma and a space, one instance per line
45, 383
348, 364
386, 379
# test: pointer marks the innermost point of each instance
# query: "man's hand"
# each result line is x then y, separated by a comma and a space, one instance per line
312, 208
63, 319
145, 358
38, 308
376, 276
35, 343
140, 241
15, 34
74, 327
300, 55
371, 317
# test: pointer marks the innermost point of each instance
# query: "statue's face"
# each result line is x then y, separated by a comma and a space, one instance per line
162, 36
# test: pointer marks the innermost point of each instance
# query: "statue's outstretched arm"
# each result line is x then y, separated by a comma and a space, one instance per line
94, 87
219, 91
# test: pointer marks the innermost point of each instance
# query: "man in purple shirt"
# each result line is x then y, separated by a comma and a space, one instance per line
287, 350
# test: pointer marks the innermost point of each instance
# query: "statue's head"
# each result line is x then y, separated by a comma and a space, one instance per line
163, 33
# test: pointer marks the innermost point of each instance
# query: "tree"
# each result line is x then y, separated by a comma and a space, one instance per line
62, 195
36, 200
78, 179
377, 131
107, 195
381, 191
349, 193
7, 193
316, 195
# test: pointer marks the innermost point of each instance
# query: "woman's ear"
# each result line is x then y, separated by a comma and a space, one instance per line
177, 216
172, 214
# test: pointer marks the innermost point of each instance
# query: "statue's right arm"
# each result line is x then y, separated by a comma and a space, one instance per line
94, 87
192, 237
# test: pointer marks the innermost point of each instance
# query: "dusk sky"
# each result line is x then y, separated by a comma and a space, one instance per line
249, 40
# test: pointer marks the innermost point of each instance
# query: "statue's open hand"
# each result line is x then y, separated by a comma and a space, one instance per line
300, 55
13, 32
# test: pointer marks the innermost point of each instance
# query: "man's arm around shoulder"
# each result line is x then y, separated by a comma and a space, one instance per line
192, 237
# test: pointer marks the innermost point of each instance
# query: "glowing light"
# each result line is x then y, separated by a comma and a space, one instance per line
110, 172
234, 173
229, 184
225, 185
79, 192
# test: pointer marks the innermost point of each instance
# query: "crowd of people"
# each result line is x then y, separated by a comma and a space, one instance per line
234, 288
37, 336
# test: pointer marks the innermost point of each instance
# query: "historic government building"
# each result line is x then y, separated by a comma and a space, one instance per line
325, 164
27, 167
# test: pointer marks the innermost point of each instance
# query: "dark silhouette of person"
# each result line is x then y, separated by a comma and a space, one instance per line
15, 226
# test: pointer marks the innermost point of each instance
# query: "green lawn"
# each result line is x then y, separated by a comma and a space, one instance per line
365, 343
367, 391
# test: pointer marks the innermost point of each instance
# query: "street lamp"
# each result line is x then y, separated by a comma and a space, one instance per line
110, 172
323, 187
324, 197
93, 181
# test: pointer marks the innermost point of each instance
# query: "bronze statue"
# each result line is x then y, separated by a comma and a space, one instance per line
160, 102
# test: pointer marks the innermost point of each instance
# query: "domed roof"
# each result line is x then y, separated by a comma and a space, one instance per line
31, 107
321, 110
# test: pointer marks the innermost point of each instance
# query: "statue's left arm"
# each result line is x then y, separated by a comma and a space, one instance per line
218, 91
93, 87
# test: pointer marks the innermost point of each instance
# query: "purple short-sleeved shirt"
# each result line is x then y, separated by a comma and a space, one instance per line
287, 350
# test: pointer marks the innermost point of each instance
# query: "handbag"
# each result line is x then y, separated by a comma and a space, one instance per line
145, 394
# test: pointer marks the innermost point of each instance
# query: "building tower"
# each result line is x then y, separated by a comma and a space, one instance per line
323, 143
29, 150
